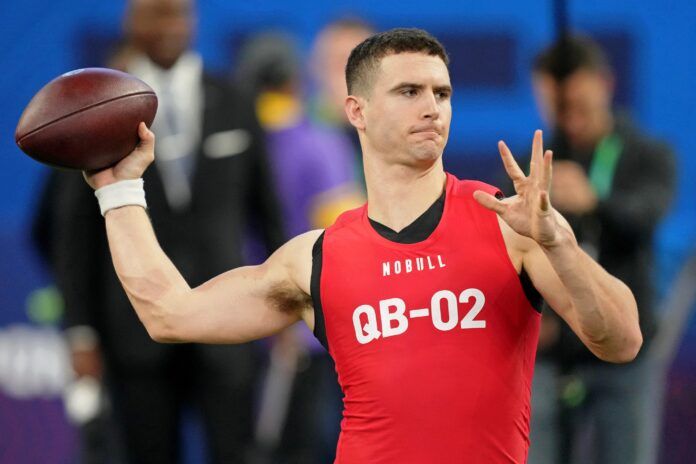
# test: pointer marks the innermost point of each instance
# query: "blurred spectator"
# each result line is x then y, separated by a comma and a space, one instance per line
330, 52
313, 170
85, 404
210, 175
311, 163
613, 183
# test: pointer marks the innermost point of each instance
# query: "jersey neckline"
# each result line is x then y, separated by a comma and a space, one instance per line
417, 231
437, 231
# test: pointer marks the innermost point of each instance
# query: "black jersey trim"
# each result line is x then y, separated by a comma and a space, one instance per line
420, 230
315, 289
533, 296
417, 231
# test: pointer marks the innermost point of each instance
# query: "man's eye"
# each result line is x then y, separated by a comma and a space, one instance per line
409, 92
443, 95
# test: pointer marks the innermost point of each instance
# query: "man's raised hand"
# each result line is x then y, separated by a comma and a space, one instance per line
131, 167
528, 213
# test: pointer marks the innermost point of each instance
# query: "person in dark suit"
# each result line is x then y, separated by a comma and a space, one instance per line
210, 181
613, 183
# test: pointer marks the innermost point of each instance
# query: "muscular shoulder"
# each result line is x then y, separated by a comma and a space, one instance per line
296, 258
289, 272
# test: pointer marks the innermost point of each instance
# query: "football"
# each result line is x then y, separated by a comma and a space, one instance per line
86, 119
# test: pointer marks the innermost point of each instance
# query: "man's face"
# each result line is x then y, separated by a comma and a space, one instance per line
162, 29
330, 55
407, 111
584, 112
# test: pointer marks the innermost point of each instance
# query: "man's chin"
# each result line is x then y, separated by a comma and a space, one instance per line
427, 152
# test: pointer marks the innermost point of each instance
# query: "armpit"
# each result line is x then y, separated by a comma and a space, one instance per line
287, 299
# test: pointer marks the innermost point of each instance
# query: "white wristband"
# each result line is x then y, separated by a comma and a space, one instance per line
121, 193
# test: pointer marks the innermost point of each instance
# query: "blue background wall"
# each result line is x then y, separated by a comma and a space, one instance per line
491, 43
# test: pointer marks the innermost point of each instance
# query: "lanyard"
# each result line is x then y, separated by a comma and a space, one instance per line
603, 167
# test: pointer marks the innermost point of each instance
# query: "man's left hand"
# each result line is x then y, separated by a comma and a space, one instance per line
528, 213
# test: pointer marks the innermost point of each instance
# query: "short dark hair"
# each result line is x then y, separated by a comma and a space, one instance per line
364, 59
570, 54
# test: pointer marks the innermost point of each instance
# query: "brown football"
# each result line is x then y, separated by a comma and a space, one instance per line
86, 119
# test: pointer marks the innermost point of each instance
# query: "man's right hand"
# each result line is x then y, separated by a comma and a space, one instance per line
131, 167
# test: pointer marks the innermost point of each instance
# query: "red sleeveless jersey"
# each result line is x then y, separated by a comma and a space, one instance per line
434, 342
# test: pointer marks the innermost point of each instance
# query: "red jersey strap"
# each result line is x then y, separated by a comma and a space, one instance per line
349, 216
470, 186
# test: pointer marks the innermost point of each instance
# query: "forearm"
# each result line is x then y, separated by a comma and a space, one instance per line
604, 312
151, 281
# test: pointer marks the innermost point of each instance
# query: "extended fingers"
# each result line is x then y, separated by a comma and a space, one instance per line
547, 171
511, 166
537, 154
490, 202
145, 134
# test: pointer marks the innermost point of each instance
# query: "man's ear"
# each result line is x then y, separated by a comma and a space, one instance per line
354, 107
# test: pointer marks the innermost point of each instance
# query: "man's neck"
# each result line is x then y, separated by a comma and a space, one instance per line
398, 194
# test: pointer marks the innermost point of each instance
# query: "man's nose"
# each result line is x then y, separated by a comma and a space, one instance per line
431, 109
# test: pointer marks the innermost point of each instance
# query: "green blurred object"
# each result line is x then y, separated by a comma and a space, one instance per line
604, 163
45, 306
573, 393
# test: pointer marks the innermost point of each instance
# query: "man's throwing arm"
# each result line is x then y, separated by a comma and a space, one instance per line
240, 305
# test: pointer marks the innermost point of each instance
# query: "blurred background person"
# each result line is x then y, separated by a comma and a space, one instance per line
313, 170
86, 405
491, 47
211, 179
329, 56
614, 183
311, 163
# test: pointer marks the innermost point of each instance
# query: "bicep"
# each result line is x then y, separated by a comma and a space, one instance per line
251, 302
238, 306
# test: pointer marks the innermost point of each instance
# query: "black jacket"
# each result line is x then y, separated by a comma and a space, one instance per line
623, 226
202, 240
